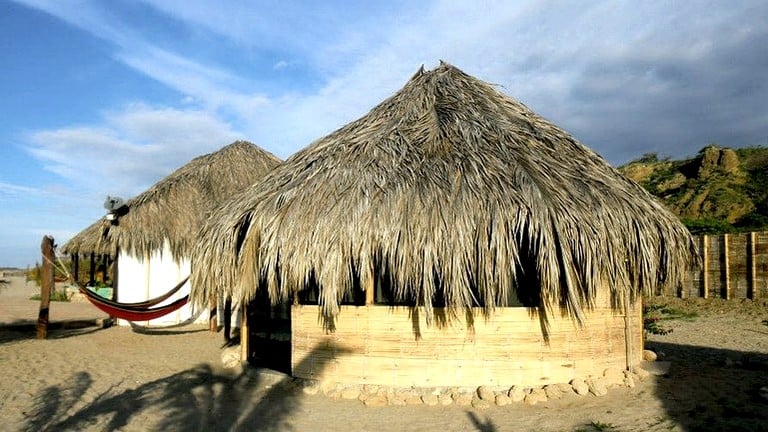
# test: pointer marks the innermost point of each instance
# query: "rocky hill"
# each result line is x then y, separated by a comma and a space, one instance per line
719, 190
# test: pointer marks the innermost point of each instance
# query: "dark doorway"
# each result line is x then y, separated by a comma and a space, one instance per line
269, 334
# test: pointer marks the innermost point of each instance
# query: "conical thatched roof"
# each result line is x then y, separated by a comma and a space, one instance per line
446, 186
175, 208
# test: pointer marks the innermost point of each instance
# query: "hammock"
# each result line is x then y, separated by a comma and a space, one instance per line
132, 312
138, 305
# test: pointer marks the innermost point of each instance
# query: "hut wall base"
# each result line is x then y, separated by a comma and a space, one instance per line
394, 346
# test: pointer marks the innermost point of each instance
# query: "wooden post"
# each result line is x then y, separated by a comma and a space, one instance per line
227, 318
115, 274
106, 271
75, 268
244, 333
147, 277
213, 318
370, 288
752, 268
726, 267
92, 270
46, 287
705, 266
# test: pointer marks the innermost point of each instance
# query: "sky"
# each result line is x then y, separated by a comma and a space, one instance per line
106, 98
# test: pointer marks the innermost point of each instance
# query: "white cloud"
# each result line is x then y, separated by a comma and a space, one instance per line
213, 87
131, 150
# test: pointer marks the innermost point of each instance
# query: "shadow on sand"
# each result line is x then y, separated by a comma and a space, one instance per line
200, 398
481, 425
706, 389
22, 331
714, 389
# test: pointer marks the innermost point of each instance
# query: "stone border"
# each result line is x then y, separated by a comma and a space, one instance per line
480, 397
477, 397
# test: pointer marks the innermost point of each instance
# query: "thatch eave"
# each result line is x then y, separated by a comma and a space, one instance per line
172, 211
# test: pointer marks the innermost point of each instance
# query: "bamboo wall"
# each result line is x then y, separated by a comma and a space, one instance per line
394, 346
734, 266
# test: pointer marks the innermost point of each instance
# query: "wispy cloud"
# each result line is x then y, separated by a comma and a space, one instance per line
131, 149
578, 64
8, 190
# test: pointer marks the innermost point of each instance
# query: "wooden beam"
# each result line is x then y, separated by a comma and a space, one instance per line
46, 287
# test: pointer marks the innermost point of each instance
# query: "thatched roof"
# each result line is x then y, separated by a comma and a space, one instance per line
175, 208
448, 185
93, 239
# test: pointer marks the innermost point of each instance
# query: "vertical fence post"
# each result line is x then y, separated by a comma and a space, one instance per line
752, 268
726, 268
705, 266
46, 287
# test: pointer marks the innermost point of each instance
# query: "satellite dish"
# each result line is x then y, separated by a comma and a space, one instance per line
112, 204
115, 208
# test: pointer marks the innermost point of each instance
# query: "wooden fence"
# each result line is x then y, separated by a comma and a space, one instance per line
733, 266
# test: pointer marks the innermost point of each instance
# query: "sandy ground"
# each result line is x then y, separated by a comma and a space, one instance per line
94, 379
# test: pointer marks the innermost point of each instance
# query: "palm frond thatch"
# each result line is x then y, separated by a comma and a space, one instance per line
175, 208
93, 239
447, 188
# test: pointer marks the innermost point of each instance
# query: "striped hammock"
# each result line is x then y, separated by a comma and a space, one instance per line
140, 311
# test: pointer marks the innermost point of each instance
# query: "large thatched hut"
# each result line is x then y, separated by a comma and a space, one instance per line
152, 235
451, 236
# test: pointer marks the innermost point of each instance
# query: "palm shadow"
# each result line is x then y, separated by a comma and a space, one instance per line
712, 388
480, 425
200, 398
13, 333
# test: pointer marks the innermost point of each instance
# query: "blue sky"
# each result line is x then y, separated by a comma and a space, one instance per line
108, 97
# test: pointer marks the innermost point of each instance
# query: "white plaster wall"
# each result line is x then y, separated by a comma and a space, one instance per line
142, 278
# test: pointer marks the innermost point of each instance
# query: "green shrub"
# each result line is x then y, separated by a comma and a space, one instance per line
708, 225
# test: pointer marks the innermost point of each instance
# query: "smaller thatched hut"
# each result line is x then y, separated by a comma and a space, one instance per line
153, 235
449, 237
